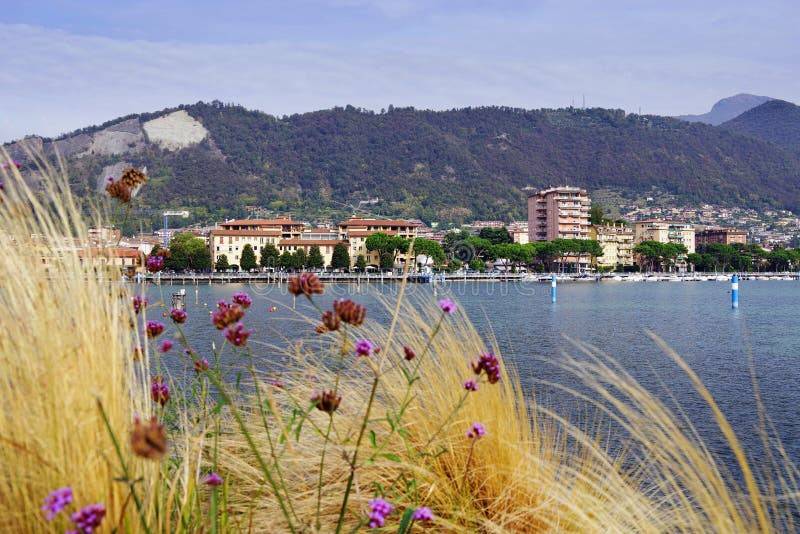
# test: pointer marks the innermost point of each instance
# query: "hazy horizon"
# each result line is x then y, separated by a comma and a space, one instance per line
76, 64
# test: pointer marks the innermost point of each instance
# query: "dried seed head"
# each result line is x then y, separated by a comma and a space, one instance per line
305, 284
350, 312
326, 401
149, 440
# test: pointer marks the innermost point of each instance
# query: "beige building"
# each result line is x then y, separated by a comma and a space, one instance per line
558, 213
724, 236
356, 231
231, 236
306, 243
519, 232
664, 232
617, 243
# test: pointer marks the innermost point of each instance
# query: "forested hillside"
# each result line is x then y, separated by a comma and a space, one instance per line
776, 121
447, 166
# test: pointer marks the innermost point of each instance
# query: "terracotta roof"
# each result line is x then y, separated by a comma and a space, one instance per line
114, 252
264, 232
379, 222
260, 222
365, 233
310, 242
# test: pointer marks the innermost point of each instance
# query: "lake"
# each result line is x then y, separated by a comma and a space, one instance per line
695, 318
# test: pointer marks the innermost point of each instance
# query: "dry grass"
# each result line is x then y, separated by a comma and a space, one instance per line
66, 341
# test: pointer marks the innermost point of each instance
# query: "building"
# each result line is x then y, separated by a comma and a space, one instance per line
723, 236
129, 260
664, 232
104, 236
355, 232
558, 213
519, 232
616, 241
230, 237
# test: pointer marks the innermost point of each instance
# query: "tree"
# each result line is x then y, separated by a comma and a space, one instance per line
496, 235
269, 256
222, 263
430, 248
286, 261
300, 260
315, 259
361, 263
387, 246
248, 259
477, 264
596, 215
187, 251
341, 257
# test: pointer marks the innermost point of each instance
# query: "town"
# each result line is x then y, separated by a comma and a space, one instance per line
564, 233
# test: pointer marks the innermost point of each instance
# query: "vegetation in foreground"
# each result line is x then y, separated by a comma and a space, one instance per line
412, 425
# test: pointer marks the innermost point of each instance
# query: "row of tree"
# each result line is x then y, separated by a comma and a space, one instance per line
743, 258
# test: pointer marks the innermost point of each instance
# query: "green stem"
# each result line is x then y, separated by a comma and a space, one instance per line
124, 465
353, 461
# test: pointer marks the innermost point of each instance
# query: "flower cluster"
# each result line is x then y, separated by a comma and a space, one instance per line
226, 314
56, 501
124, 188
155, 263
307, 284
149, 440
326, 401
408, 353
88, 519
159, 390
213, 479
242, 299
488, 363
201, 365
344, 311
364, 347
422, 514
447, 306
154, 329
379, 509
165, 345
471, 385
139, 303
178, 316
476, 431
237, 335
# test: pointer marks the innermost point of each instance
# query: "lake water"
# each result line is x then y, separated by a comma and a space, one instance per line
695, 318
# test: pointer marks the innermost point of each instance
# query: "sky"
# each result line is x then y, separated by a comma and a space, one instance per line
73, 63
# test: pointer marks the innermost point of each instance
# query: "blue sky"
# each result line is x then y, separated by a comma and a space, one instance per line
68, 64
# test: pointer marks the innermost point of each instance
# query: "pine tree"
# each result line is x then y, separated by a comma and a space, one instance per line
361, 263
315, 259
222, 263
248, 260
269, 256
340, 258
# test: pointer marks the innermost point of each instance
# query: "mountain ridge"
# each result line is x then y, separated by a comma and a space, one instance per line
776, 121
727, 108
448, 166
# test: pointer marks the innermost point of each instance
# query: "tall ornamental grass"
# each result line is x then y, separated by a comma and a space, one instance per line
114, 420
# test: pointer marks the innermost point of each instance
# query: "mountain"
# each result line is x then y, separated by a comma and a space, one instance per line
727, 108
450, 166
776, 121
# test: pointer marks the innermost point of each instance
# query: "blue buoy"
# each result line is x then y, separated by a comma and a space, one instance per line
553, 289
735, 291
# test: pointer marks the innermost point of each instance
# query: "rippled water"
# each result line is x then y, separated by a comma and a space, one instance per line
695, 318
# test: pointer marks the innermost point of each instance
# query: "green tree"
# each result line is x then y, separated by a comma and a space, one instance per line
430, 248
596, 215
387, 246
187, 251
477, 264
269, 256
222, 263
361, 263
315, 259
341, 257
496, 236
248, 260
286, 261
300, 260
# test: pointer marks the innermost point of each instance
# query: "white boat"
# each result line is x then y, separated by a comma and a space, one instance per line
617, 278
721, 278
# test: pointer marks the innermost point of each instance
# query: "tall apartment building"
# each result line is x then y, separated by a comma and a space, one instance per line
724, 236
356, 231
231, 236
664, 232
616, 241
558, 212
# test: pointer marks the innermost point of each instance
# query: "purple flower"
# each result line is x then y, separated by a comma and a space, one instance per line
364, 347
476, 431
159, 390
165, 345
242, 300
201, 365
154, 328
155, 263
88, 518
139, 303
471, 385
378, 510
178, 316
57, 501
423, 513
489, 363
237, 335
213, 480
447, 306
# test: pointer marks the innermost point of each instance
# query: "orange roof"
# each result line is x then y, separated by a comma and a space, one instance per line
378, 222
263, 232
310, 242
260, 222
366, 233
115, 252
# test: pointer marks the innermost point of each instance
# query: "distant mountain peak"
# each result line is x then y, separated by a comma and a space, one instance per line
776, 121
728, 108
